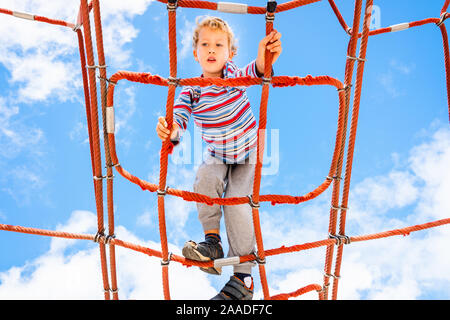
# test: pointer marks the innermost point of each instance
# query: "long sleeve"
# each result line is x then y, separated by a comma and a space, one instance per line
182, 107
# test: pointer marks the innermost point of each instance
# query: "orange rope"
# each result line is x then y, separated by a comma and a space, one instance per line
309, 288
109, 171
186, 262
351, 146
111, 159
98, 185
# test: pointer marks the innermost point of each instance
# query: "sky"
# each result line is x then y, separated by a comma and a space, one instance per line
400, 173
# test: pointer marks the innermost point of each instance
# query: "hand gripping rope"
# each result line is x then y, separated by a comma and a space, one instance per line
336, 237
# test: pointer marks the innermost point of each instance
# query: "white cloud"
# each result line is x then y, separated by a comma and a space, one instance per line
43, 59
18, 140
43, 65
391, 78
15, 136
393, 268
62, 273
185, 34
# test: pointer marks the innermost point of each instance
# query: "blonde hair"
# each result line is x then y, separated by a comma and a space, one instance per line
214, 23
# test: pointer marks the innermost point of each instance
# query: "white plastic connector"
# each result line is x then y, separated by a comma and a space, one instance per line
230, 7
110, 125
400, 27
23, 15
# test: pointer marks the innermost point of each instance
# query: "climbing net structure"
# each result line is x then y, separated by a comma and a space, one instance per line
339, 201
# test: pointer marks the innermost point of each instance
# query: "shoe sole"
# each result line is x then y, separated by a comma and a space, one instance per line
190, 252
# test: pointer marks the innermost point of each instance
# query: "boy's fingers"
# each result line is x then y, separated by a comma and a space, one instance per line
162, 128
275, 46
276, 43
162, 135
162, 119
267, 38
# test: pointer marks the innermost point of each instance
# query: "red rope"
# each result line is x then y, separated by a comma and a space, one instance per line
90, 91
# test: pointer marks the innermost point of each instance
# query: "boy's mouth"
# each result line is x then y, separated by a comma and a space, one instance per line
211, 59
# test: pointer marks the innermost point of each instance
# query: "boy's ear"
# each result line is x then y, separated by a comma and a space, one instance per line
195, 55
231, 55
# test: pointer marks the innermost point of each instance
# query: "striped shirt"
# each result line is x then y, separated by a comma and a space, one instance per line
222, 114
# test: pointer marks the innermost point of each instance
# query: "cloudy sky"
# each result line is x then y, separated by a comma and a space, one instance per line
400, 175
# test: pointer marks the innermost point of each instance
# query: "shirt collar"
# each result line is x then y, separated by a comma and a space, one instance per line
224, 71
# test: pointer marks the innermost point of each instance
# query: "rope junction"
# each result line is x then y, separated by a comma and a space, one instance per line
336, 237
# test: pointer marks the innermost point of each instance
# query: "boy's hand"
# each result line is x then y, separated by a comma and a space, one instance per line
272, 43
162, 131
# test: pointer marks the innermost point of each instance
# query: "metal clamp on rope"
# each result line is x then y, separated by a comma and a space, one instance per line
345, 239
112, 165
104, 177
357, 59
162, 192
324, 288
99, 235
340, 239
252, 204
114, 290
166, 262
443, 18
173, 81
109, 237
266, 81
95, 66
328, 275
334, 178
345, 88
113, 83
271, 8
172, 5
335, 237
77, 27
258, 259
339, 208
349, 31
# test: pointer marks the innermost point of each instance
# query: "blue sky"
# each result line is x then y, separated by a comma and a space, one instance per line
400, 174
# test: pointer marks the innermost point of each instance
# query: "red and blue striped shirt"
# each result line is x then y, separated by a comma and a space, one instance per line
222, 114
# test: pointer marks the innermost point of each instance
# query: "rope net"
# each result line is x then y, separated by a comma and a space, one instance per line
339, 201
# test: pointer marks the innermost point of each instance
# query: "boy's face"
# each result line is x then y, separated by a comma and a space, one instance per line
212, 51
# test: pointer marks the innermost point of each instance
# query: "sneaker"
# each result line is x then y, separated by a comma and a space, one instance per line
235, 289
208, 250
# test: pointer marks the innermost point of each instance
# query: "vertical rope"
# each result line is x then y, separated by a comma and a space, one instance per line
109, 172
445, 7
86, 94
167, 145
447, 62
353, 129
349, 68
260, 152
98, 185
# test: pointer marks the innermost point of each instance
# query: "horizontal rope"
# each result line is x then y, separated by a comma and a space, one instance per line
37, 18
271, 252
209, 5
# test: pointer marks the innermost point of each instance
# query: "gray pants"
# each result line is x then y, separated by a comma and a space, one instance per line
217, 179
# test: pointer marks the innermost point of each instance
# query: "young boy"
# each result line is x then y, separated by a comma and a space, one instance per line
227, 124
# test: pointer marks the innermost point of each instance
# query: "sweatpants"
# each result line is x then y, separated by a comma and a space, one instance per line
215, 179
